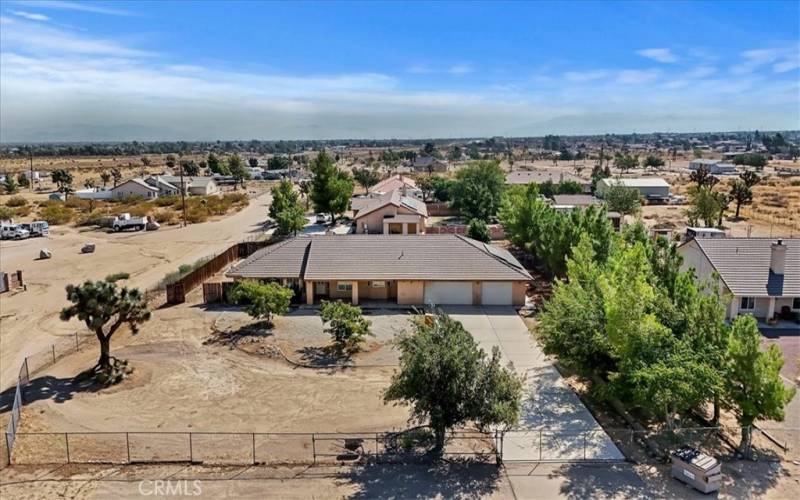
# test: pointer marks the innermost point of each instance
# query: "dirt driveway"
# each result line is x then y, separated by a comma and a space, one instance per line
29, 320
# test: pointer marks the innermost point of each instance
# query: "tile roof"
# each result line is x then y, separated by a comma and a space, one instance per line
743, 264
576, 200
136, 181
282, 260
386, 257
636, 182
395, 198
541, 176
392, 183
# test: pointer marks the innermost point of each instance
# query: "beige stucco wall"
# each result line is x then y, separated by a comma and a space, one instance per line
410, 292
367, 291
518, 290
374, 220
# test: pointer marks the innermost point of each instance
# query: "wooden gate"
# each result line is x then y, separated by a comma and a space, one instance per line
175, 293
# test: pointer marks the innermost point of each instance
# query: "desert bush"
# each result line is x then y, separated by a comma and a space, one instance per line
93, 218
77, 203
166, 201
6, 213
16, 201
57, 214
182, 271
112, 278
196, 215
22, 211
165, 216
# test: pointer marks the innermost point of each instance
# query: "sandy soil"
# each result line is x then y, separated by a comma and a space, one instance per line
29, 320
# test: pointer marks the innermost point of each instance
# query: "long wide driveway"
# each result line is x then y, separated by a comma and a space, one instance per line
554, 425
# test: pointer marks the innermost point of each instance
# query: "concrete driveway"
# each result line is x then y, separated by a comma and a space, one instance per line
554, 425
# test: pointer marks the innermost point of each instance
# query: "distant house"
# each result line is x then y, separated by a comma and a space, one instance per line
391, 213
702, 162
164, 188
714, 166
428, 164
134, 187
407, 270
196, 185
568, 202
652, 189
761, 274
541, 176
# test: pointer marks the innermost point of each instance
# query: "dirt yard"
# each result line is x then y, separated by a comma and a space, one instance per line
29, 319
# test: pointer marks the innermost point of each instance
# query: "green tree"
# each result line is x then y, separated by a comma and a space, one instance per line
170, 161
622, 199
116, 175
754, 387
190, 167
262, 300
346, 324
63, 180
702, 177
750, 178
145, 161
366, 177
653, 161
741, 194
10, 184
331, 188
278, 162
252, 162
23, 181
478, 190
237, 170
751, 159
286, 209
704, 206
105, 177
104, 308
478, 230
447, 379
625, 161
427, 186
214, 164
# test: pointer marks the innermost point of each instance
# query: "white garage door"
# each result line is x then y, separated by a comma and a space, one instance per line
448, 292
496, 293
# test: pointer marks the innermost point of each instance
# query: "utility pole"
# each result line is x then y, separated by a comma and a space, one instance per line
30, 157
183, 196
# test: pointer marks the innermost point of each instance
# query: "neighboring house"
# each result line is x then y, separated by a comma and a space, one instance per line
390, 213
652, 189
394, 182
702, 162
761, 274
94, 194
134, 187
714, 166
196, 185
540, 176
428, 164
164, 188
407, 270
567, 202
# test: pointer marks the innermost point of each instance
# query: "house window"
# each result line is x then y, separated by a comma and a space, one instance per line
796, 303
344, 286
747, 303
378, 284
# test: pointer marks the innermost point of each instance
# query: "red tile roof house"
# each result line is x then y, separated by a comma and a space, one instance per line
390, 213
406, 270
392, 183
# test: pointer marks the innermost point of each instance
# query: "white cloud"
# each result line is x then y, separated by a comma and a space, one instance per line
419, 69
660, 55
637, 76
30, 15
586, 76
93, 7
701, 72
460, 69
755, 59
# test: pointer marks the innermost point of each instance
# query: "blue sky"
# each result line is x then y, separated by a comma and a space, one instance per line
205, 70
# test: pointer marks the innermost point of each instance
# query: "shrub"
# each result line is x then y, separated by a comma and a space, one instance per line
196, 215
166, 201
79, 203
112, 278
264, 300
22, 211
478, 230
346, 325
16, 201
93, 218
165, 216
56, 214
6, 213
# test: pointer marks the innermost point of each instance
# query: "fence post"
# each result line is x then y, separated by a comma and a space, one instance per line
254, 447
54, 352
191, 452
77, 345
376, 445
314, 448
27, 371
128, 446
8, 447
540, 445
66, 440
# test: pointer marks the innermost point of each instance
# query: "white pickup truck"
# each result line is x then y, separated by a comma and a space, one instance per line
13, 232
125, 221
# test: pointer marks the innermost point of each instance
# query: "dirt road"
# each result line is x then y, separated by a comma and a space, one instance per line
29, 320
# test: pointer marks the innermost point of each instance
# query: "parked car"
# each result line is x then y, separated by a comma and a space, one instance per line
14, 232
323, 218
37, 228
125, 221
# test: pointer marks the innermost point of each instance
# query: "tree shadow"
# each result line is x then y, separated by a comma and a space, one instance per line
442, 479
256, 331
325, 356
49, 387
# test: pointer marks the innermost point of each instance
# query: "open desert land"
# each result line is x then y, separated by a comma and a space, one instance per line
29, 319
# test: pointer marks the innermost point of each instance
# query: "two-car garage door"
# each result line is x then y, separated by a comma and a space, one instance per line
460, 292
448, 292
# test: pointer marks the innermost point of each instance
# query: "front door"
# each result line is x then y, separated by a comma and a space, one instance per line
320, 288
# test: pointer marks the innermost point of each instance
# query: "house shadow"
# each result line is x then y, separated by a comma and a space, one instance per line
49, 387
441, 479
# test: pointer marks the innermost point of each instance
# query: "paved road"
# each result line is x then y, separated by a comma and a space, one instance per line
29, 320
554, 425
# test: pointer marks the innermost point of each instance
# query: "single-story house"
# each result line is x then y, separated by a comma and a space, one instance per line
164, 188
428, 164
390, 213
94, 193
652, 189
568, 202
196, 185
540, 176
702, 162
408, 270
761, 274
134, 187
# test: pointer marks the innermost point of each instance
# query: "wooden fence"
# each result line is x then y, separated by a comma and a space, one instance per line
440, 209
10, 281
495, 230
176, 292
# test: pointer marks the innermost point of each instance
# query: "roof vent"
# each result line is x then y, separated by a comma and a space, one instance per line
777, 258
